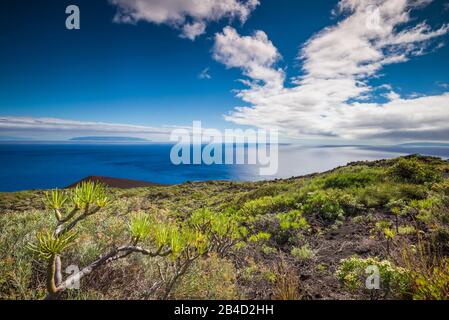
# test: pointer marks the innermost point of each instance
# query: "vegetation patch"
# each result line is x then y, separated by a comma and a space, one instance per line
309, 237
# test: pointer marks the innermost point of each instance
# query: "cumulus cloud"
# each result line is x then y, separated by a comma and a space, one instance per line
255, 55
190, 16
332, 96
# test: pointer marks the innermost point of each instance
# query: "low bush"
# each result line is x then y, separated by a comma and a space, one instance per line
393, 280
434, 284
302, 253
382, 194
324, 205
411, 170
213, 278
353, 177
292, 220
268, 205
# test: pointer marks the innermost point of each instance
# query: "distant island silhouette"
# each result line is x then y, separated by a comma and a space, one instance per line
110, 139
116, 182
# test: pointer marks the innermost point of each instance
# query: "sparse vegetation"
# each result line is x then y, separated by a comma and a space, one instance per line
285, 239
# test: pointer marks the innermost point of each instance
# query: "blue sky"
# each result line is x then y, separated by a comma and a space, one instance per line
148, 73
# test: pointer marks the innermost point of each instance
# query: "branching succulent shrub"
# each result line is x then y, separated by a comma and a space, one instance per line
395, 281
70, 208
181, 242
202, 233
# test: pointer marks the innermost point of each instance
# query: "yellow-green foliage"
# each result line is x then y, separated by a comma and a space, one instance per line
323, 204
292, 220
49, 245
268, 204
140, 227
259, 237
433, 285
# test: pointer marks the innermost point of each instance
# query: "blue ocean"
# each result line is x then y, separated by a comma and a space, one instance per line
42, 165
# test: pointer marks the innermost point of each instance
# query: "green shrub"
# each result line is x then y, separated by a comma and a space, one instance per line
266, 205
380, 195
349, 203
324, 205
352, 273
411, 170
302, 253
353, 178
268, 190
377, 195
259, 237
268, 250
442, 187
412, 192
292, 220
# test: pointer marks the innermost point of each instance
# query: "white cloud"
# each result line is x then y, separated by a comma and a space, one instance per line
330, 97
255, 55
392, 96
8, 123
191, 16
193, 30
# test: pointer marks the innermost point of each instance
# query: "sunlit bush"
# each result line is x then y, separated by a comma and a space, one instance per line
267, 205
395, 281
323, 205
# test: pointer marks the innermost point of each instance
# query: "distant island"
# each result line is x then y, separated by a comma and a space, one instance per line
116, 182
13, 138
110, 139
424, 144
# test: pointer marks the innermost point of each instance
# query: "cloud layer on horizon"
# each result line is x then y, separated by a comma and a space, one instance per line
190, 16
37, 126
332, 97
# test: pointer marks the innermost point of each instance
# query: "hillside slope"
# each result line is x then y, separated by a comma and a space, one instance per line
301, 238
